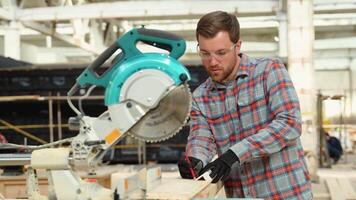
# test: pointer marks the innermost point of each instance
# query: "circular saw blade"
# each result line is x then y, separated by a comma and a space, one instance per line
166, 119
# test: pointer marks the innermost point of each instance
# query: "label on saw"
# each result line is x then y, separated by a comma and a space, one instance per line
113, 136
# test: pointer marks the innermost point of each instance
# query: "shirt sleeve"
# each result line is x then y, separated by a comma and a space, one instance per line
200, 142
285, 127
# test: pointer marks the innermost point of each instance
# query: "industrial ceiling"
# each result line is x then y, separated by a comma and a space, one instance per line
74, 31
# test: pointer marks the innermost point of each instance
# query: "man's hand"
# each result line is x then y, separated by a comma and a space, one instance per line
190, 167
221, 167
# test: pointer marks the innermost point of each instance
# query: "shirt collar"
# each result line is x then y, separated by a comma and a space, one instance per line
244, 70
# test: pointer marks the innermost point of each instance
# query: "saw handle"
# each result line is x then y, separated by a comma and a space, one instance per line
90, 75
103, 56
127, 43
164, 40
157, 38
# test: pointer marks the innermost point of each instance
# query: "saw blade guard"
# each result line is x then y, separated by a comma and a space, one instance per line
148, 96
176, 72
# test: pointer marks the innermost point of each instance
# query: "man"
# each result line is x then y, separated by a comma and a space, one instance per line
247, 112
334, 147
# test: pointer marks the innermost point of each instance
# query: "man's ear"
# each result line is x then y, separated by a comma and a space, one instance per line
238, 46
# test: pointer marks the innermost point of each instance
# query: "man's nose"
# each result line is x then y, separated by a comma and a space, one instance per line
213, 60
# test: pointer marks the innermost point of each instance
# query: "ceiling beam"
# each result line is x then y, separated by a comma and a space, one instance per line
327, 6
175, 9
334, 63
8, 10
5, 14
65, 38
147, 9
335, 43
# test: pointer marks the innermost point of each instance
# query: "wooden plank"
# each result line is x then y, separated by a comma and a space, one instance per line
336, 173
210, 191
2, 188
347, 188
15, 187
177, 189
334, 189
320, 192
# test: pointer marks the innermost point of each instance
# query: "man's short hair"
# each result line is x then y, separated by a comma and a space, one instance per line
212, 23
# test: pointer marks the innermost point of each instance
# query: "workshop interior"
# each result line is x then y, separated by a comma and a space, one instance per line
96, 96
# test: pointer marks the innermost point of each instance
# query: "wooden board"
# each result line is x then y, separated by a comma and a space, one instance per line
340, 189
334, 189
169, 188
176, 189
15, 186
346, 187
339, 182
320, 192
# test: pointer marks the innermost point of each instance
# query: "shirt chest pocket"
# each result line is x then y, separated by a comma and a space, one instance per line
247, 97
252, 108
215, 107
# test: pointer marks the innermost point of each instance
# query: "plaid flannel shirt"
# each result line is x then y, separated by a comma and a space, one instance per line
257, 116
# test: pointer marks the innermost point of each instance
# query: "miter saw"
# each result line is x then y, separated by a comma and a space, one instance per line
147, 97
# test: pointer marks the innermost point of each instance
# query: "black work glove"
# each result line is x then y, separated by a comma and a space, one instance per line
189, 168
221, 167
